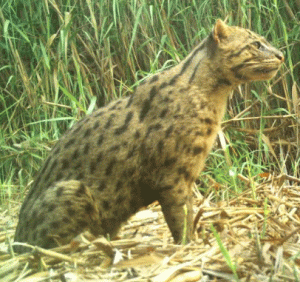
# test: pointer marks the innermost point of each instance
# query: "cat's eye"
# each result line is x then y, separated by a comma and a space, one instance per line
257, 44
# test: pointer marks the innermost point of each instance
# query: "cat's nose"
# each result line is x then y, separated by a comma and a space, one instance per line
279, 56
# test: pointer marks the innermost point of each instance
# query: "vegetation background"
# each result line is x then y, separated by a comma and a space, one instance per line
62, 59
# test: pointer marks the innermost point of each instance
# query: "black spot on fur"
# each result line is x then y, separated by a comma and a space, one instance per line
206, 120
70, 143
89, 208
113, 107
59, 191
154, 78
131, 152
86, 148
163, 113
101, 186
174, 79
170, 161
56, 150
83, 224
43, 232
160, 146
143, 149
119, 185
129, 172
147, 104
67, 203
166, 187
110, 166
183, 89
130, 100
199, 133
143, 82
114, 148
179, 116
134, 205
100, 140
99, 157
96, 124
187, 176
77, 129
169, 131
177, 143
124, 127
137, 135
55, 224
75, 155
33, 223
120, 199
34, 236
176, 181
167, 99
81, 190
194, 72
59, 176
66, 220
106, 205
153, 127
93, 167
71, 211
145, 110
163, 85
236, 72
65, 164
197, 150
46, 165
38, 179
223, 81
182, 170
80, 176
100, 113
53, 165
110, 121
186, 65
51, 208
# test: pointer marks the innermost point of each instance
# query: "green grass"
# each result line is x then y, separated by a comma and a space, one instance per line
225, 253
62, 59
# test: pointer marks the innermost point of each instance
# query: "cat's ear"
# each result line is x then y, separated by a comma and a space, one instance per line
220, 31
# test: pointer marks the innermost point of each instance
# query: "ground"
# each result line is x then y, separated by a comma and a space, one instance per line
255, 237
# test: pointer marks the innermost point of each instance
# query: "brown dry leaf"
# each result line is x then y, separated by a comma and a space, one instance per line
105, 246
54, 254
265, 174
143, 260
296, 100
268, 143
170, 273
266, 253
264, 247
40, 276
189, 276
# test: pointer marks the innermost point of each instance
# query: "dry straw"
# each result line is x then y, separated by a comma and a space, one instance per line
260, 235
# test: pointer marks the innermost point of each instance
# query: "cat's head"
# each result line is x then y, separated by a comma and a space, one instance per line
243, 55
